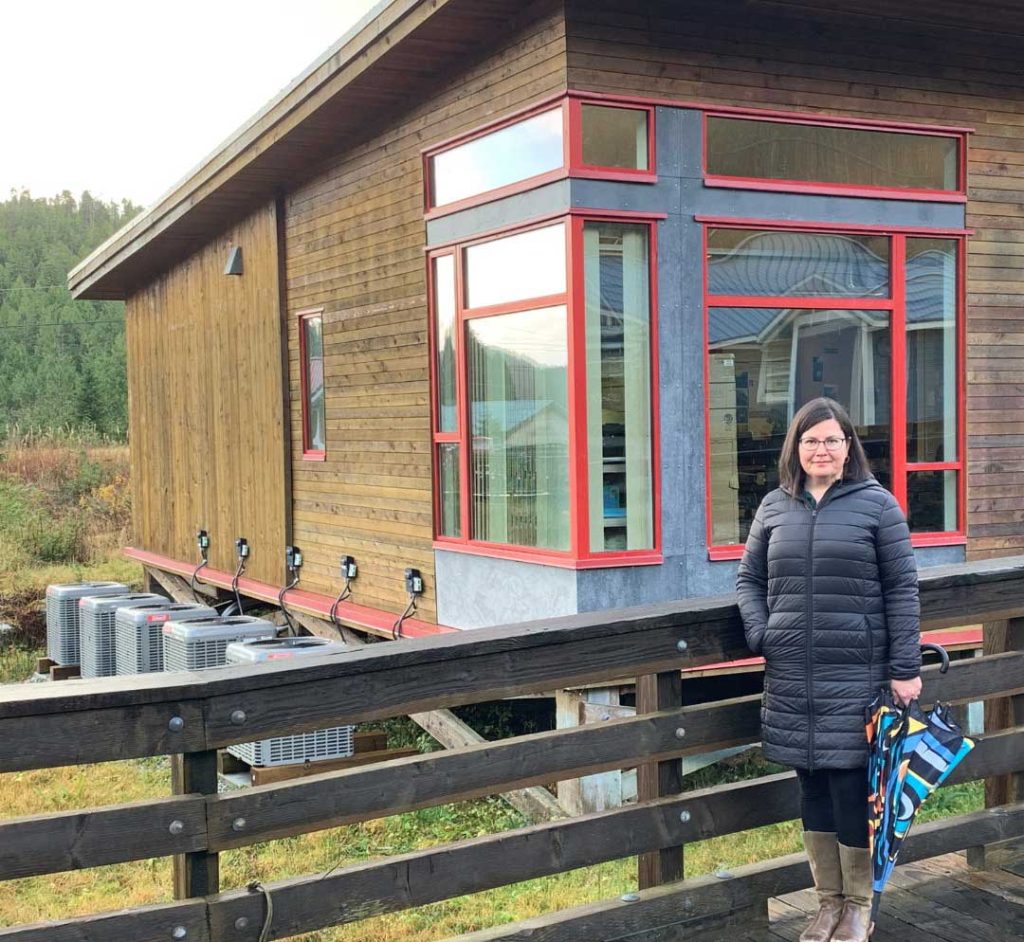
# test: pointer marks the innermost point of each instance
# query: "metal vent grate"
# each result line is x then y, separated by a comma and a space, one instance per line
336, 742
96, 619
63, 626
138, 633
200, 643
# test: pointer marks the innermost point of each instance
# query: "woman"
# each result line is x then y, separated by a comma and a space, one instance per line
828, 594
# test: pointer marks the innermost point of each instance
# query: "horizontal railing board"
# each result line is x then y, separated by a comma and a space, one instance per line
413, 676
73, 840
145, 924
307, 903
335, 798
674, 904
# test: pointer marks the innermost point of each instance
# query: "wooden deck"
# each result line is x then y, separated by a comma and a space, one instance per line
937, 900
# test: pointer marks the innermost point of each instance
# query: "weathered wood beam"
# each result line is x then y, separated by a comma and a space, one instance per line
999, 637
536, 803
325, 629
177, 588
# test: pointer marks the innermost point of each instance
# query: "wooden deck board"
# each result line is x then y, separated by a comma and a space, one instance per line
941, 899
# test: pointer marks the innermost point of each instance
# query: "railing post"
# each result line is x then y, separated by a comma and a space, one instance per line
655, 692
1002, 713
196, 874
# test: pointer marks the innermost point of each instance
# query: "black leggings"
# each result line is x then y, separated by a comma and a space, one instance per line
836, 800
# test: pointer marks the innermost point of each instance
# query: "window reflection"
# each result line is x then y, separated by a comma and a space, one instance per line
618, 386
931, 350
526, 265
503, 157
448, 478
763, 365
797, 264
776, 150
518, 400
444, 315
931, 501
614, 137
316, 437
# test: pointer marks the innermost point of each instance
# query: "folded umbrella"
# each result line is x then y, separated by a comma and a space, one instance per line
912, 754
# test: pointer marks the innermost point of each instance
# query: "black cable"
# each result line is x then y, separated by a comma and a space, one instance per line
280, 603
257, 887
344, 594
396, 628
192, 580
234, 582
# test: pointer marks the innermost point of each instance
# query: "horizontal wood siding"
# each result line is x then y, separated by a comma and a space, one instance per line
207, 419
953, 64
354, 246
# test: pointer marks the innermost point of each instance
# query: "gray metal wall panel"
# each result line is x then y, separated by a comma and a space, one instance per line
478, 591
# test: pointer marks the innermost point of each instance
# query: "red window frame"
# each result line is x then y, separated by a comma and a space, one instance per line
571, 104
959, 195
578, 556
308, 452
577, 168
896, 305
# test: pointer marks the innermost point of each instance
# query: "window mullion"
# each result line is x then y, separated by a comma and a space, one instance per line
898, 431
462, 400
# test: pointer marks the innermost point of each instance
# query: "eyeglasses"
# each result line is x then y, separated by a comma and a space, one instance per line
831, 444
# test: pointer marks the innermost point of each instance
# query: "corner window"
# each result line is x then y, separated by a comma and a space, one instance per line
548, 448
311, 359
809, 154
861, 343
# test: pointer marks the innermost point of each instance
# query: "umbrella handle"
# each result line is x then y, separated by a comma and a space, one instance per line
941, 652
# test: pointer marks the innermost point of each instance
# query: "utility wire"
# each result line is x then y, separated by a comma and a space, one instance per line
54, 324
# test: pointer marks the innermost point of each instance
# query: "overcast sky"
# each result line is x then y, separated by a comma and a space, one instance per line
124, 97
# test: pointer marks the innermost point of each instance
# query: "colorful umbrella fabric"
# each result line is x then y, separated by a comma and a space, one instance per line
912, 754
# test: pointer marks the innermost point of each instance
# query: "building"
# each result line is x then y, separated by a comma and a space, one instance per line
522, 296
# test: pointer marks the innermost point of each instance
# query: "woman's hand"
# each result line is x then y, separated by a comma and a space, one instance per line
903, 691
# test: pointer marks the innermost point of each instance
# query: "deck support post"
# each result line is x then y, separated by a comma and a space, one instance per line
655, 692
195, 874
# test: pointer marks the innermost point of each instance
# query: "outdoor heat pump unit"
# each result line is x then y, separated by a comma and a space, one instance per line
62, 616
199, 643
138, 634
96, 618
333, 743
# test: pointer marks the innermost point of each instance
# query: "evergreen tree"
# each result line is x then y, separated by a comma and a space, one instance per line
62, 362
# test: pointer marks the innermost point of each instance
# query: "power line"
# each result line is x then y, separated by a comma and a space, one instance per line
33, 287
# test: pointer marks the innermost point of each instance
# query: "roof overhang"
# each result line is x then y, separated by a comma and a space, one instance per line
371, 73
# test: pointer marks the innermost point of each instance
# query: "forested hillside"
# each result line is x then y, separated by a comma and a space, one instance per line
62, 362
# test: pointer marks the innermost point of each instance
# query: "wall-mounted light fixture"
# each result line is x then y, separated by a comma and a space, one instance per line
234, 265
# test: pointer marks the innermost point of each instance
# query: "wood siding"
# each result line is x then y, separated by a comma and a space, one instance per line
354, 246
205, 398
960, 66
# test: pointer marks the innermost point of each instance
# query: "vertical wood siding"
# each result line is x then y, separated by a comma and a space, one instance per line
207, 423
951, 63
354, 246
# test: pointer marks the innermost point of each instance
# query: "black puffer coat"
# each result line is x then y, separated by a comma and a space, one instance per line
829, 597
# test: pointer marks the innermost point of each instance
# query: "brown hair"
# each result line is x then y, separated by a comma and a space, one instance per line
791, 473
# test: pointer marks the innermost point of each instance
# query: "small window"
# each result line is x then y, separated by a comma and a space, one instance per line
615, 137
822, 154
314, 422
509, 155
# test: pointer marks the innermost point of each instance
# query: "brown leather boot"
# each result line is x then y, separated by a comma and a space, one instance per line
826, 868
855, 923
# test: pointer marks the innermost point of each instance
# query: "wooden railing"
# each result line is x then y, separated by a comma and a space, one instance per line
192, 715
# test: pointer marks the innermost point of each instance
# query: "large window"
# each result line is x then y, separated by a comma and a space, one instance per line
311, 358
867, 319
543, 393
814, 154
